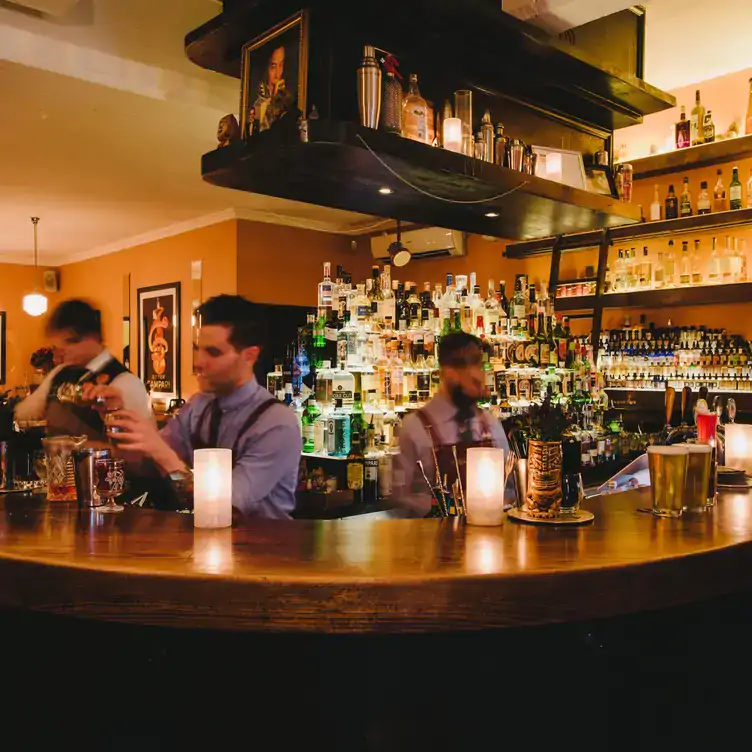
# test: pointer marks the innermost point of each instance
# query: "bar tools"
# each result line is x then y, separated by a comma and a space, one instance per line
369, 89
85, 468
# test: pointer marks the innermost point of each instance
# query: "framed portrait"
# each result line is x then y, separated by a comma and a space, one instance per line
159, 340
600, 179
274, 75
2, 347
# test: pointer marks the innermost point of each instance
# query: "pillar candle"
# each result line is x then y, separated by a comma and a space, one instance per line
739, 446
453, 134
212, 488
485, 486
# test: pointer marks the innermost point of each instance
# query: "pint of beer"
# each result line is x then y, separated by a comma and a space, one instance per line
697, 484
668, 473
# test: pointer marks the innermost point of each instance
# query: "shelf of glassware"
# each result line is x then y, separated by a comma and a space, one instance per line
689, 295
678, 385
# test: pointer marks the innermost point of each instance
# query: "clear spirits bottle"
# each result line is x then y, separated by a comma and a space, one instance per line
735, 191
743, 260
749, 189
646, 270
685, 203
655, 207
703, 199
685, 269
726, 262
670, 273
632, 273
697, 122
491, 308
719, 194
415, 113
672, 204
736, 262
338, 432
343, 387
714, 264
696, 269
326, 287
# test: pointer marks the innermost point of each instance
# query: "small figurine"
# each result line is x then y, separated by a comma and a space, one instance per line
252, 124
228, 130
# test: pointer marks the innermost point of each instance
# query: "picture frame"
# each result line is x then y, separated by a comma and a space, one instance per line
159, 340
274, 75
3, 317
600, 179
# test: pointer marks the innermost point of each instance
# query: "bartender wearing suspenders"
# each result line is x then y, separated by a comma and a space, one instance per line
233, 411
451, 419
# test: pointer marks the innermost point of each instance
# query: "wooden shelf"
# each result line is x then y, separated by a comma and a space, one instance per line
682, 160
492, 52
345, 165
670, 297
643, 230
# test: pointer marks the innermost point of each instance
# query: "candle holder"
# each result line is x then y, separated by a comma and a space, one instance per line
212, 488
739, 447
453, 134
485, 486
463, 110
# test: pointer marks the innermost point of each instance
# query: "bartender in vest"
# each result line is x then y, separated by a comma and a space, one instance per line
451, 419
233, 411
75, 331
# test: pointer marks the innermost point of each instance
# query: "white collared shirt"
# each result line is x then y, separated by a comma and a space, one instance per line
135, 396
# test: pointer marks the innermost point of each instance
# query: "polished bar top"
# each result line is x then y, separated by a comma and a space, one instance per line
370, 573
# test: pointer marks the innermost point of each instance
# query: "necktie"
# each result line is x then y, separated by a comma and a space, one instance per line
464, 419
216, 419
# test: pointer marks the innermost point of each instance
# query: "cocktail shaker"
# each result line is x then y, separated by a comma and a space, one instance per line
500, 146
487, 133
369, 89
85, 466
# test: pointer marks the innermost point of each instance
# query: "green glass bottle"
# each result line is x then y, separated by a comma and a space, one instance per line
308, 420
735, 191
357, 417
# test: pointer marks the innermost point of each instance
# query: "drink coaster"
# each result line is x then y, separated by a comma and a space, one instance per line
583, 517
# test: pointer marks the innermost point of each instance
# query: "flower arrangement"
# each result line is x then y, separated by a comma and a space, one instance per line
43, 359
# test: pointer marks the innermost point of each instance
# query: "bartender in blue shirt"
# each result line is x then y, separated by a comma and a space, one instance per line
232, 411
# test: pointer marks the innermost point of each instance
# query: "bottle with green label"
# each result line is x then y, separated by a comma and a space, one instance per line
308, 421
356, 469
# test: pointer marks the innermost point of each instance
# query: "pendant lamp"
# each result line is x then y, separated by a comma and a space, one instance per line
398, 253
35, 304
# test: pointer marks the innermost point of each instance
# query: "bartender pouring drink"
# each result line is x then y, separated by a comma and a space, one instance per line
233, 411
76, 332
451, 419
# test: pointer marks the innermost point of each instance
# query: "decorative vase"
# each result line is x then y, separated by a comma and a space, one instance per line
544, 479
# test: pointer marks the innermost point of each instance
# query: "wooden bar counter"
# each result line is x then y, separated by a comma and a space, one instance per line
367, 574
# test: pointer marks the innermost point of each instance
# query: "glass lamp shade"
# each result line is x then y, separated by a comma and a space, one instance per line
35, 304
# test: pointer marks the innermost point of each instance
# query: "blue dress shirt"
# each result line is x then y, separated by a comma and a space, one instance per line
265, 474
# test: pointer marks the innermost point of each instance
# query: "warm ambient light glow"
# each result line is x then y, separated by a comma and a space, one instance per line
485, 486
453, 134
492, 215
739, 446
212, 488
385, 191
35, 304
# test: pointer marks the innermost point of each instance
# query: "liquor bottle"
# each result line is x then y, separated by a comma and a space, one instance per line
655, 207
356, 469
338, 432
310, 416
670, 269
735, 191
357, 417
743, 260
696, 271
519, 312
492, 308
736, 262
391, 98
415, 113
685, 203
672, 204
371, 472
343, 386
685, 268
703, 199
325, 288
275, 381
682, 131
726, 262
646, 270
708, 130
553, 345
697, 122
719, 194
748, 125
714, 265
541, 339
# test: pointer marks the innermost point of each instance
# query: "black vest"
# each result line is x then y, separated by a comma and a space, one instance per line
65, 419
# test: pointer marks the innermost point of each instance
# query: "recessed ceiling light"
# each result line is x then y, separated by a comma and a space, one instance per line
492, 215
385, 191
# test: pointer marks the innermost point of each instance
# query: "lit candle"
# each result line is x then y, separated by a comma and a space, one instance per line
453, 134
739, 446
212, 488
485, 486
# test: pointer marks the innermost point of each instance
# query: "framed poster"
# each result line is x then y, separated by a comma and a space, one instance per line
159, 339
274, 75
2, 347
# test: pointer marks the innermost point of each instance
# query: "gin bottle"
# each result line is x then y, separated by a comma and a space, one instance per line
338, 432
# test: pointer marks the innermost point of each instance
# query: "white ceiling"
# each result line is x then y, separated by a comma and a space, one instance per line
106, 120
105, 124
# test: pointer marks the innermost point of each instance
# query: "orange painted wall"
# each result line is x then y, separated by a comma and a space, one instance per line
163, 261
283, 265
24, 333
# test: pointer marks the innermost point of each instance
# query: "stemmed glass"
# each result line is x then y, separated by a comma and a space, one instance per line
110, 481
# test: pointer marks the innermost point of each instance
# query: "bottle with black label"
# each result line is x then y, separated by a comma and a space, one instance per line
672, 204
371, 472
